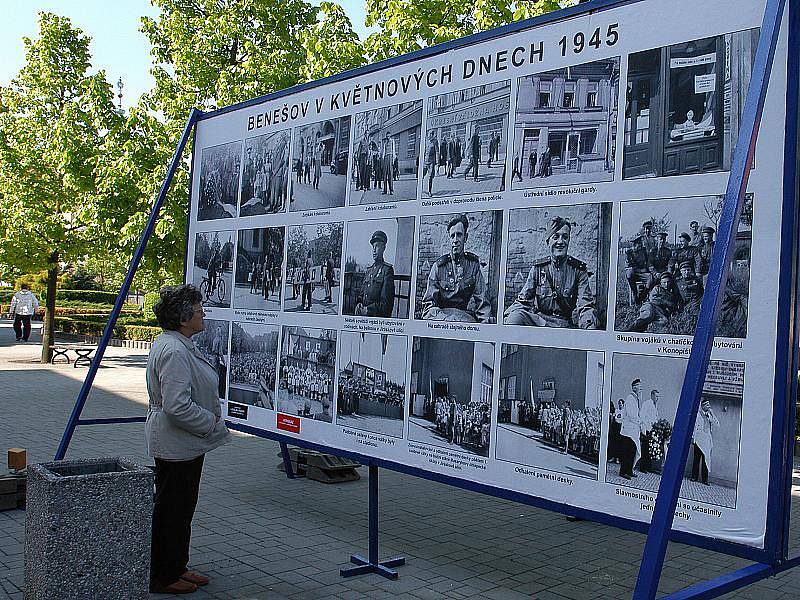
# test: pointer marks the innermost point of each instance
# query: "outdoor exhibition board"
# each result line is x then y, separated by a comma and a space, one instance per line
487, 263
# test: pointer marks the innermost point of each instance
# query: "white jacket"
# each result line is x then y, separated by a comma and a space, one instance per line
24, 302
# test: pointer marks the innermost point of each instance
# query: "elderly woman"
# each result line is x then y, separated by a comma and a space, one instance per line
183, 423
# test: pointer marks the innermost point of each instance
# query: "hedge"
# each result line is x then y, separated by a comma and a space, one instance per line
87, 309
94, 328
83, 296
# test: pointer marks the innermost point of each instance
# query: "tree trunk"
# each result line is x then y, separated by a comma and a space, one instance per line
49, 329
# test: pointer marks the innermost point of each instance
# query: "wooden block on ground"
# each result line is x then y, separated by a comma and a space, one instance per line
17, 458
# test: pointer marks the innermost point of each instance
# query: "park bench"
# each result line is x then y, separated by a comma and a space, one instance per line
83, 353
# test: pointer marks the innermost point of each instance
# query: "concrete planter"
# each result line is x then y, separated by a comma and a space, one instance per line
87, 529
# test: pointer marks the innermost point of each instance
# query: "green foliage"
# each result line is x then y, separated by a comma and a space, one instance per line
95, 328
81, 279
150, 300
87, 296
331, 45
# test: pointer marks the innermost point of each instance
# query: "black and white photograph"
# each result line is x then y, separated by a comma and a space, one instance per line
565, 126
458, 267
557, 266
466, 136
644, 398
451, 394
265, 174
212, 269
254, 364
377, 268
320, 165
372, 382
665, 252
219, 181
550, 409
683, 105
307, 373
313, 268
386, 143
259, 268
212, 343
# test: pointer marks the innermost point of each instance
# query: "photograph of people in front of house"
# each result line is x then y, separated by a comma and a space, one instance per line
644, 398
319, 165
313, 268
219, 181
550, 410
451, 394
259, 268
212, 268
265, 174
665, 252
254, 364
306, 382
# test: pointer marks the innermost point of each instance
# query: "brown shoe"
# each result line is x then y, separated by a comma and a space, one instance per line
196, 578
179, 587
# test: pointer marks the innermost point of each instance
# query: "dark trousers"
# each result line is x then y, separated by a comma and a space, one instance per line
627, 455
22, 326
644, 461
306, 294
699, 466
177, 485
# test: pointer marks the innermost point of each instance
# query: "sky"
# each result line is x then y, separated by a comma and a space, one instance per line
117, 45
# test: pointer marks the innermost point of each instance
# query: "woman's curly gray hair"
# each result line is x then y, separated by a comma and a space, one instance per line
176, 305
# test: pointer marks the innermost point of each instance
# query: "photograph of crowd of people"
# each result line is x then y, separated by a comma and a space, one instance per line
254, 360
466, 138
259, 268
665, 253
644, 397
219, 181
377, 268
386, 145
550, 408
319, 165
565, 125
212, 343
557, 266
306, 381
265, 174
372, 382
313, 268
458, 267
451, 394
212, 270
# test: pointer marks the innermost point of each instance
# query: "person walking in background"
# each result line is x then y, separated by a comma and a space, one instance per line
307, 284
431, 156
474, 155
24, 305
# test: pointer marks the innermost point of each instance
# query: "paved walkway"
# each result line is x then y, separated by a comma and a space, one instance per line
262, 536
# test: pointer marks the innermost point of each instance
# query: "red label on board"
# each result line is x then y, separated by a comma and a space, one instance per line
289, 423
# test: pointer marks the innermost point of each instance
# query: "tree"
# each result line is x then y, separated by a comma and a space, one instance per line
54, 120
332, 46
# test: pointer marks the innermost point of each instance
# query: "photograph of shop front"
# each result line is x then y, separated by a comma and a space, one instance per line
259, 268
565, 126
683, 105
644, 397
319, 165
550, 408
386, 144
219, 181
372, 382
313, 268
254, 361
464, 151
212, 267
306, 383
265, 174
212, 343
451, 394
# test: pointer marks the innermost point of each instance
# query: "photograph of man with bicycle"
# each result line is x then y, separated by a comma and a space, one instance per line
213, 267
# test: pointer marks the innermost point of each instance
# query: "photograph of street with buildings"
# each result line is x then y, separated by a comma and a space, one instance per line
320, 165
259, 268
306, 383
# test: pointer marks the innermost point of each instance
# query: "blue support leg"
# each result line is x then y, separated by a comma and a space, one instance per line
287, 461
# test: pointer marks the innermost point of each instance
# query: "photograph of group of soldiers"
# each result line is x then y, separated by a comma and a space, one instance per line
306, 380
219, 181
212, 343
372, 382
212, 268
550, 408
319, 165
265, 174
646, 390
557, 266
259, 268
313, 268
665, 255
254, 358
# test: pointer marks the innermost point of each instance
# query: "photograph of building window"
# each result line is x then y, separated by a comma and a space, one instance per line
683, 105
306, 384
219, 181
313, 268
386, 145
265, 174
551, 406
565, 126
254, 362
212, 267
319, 165
464, 151
259, 268
212, 343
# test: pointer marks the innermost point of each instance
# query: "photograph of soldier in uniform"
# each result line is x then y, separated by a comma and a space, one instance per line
458, 267
313, 270
306, 380
386, 144
451, 394
465, 141
212, 270
219, 181
557, 266
665, 252
550, 411
648, 389
212, 343
319, 165
254, 364
259, 268
565, 126
265, 174
372, 382
377, 268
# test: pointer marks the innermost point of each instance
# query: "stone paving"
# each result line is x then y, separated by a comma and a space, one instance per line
260, 535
